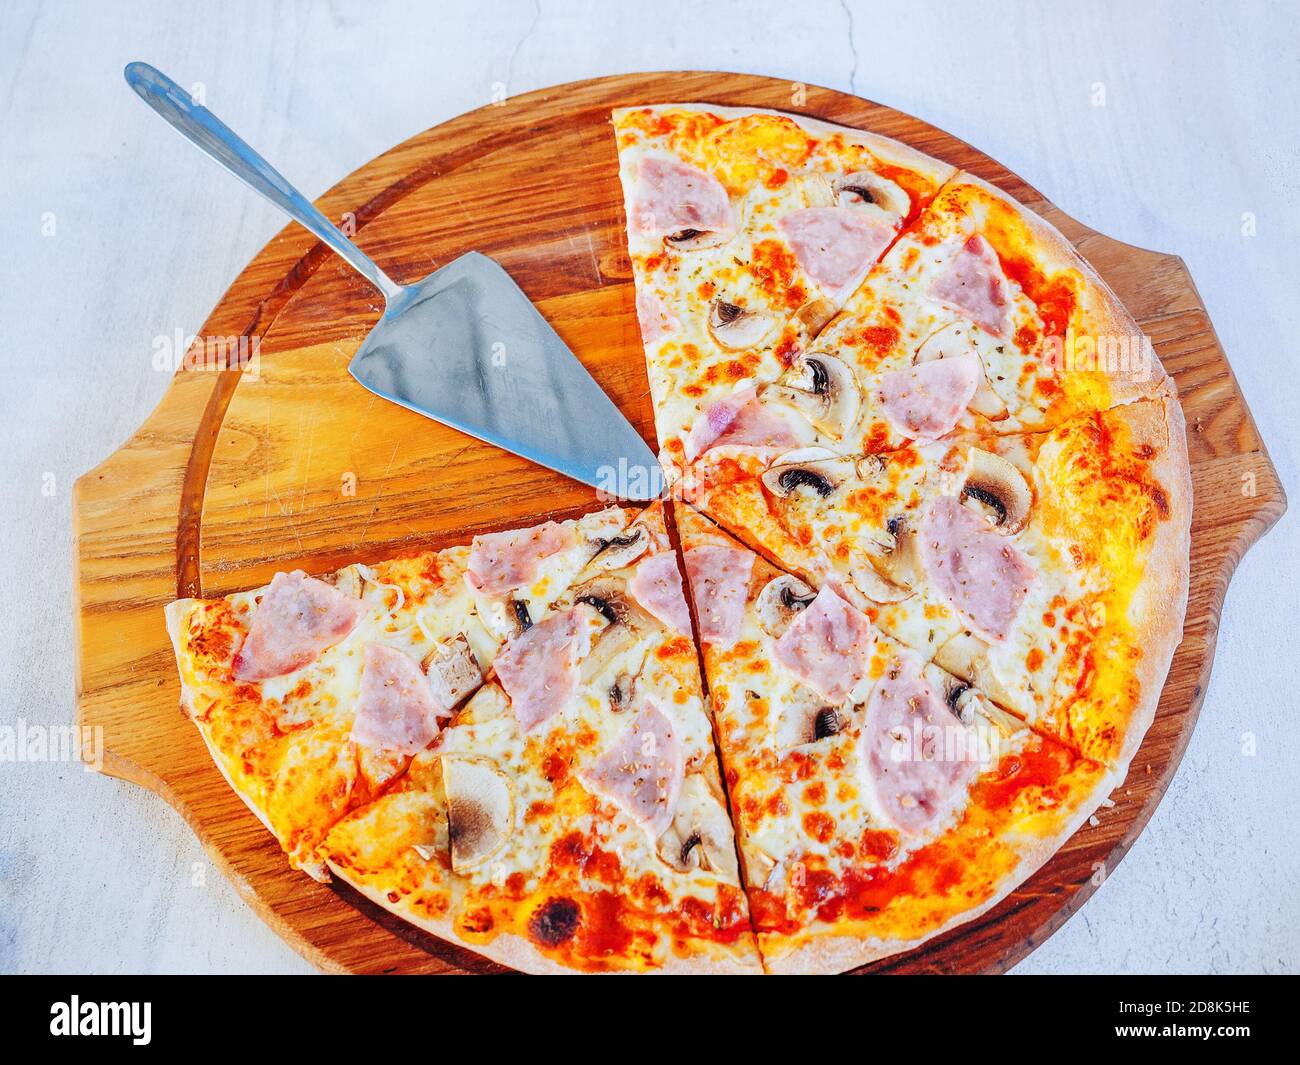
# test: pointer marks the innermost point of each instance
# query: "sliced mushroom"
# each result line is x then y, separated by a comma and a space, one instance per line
878, 589
823, 389
613, 642
966, 656
480, 810
810, 319
867, 188
960, 698
453, 671
487, 703
897, 553
762, 869
608, 598
779, 601
347, 580
804, 718
818, 190
618, 552
625, 624
957, 339
520, 618
820, 475
810, 469
996, 489
827, 722
696, 239
737, 329
1006, 723
700, 836
622, 692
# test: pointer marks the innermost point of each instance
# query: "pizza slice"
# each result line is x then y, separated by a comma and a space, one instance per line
569, 816
1050, 569
878, 800
313, 695
981, 318
747, 230
587, 819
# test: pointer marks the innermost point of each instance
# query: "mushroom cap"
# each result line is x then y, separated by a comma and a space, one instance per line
736, 328
619, 552
480, 809
995, 488
780, 600
966, 656
865, 189
958, 338
823, 389
697, 239
804, 718
877, 588
812, 469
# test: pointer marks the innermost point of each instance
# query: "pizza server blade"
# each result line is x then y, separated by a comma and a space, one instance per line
464, 346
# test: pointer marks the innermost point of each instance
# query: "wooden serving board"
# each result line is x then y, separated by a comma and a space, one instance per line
236, 476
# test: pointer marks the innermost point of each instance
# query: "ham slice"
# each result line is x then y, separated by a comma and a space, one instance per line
739, 420
657, 586
720, 586
297, 619
539, 668
669, 197
975, 285
642, 773
835, 245
974, 567
925, 401
502, 562
656, 320
396, 709
827, 646
918, 757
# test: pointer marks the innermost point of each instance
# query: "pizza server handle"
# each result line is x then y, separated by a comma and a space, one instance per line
206, 131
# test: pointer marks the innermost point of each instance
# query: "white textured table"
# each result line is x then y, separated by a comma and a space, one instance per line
1171, 126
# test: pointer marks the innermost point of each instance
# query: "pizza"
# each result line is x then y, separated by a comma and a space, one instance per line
505, 744
971, 477
747, 232
878, 799
1050, 569
929, 542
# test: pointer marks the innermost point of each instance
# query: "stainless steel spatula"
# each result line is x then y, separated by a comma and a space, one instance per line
464, 346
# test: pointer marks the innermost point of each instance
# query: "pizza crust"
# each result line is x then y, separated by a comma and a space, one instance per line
888, 149
1107, 315
517, 952
1160, 604
829, 954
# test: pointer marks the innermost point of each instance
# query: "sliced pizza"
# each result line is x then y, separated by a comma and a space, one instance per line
587, 818
569, 817
981, 318
312, 694
1050, 569
747, 230
878, 800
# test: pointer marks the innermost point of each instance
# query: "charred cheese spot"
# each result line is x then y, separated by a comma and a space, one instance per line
555, 922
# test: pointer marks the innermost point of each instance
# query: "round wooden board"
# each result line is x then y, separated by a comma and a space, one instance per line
236, 476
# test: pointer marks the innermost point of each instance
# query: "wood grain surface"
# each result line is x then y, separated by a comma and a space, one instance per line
235, 476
